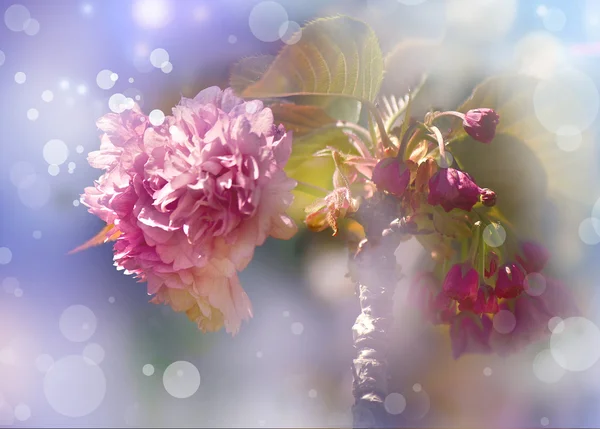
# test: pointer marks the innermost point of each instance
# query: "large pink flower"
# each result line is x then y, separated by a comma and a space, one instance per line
192, 198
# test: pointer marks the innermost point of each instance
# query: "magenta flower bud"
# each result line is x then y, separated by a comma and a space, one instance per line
490, 270
453, 189
510, 281
486, 302
481, 124
391, 175
488, 197
534, 257
461, 283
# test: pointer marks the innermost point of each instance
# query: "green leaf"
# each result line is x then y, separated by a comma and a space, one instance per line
302, 120
335, 56
305, 147
248, 71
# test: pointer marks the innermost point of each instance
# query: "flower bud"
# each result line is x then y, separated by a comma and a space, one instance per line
490, 270
481, 124
452, 188
510, 281
391, 175
487, 197
486, 302
461, 283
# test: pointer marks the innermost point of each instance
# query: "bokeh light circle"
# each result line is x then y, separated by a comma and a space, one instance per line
181, 379
312, 393
16, 16
55, 152
53, 170
297, 328
554, 19
22, 412
22, 174
20, 78
504, 322
167, 68
568, 98
32, 27
589, 231
568, 138
487, 371
546, 369
94, 352
5, 255
576, 347
266, 21
148, 370
152, 13
35, 194
394, 403
494, 235
103, 79
534, 284
159, 57
544, 421
47, 96
10, 284
74, 386
77, 323
290, 32
444, 161
44, 362
2, 58
156, 117
33, 114
118, 103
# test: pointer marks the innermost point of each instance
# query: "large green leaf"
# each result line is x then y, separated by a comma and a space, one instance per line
301, 119
248, 71
542, 190
335, 56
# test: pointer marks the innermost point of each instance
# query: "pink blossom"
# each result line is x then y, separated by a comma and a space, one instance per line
452, 188
192, 198
486, 302
481, 124
391, 175
461, 283
510, 281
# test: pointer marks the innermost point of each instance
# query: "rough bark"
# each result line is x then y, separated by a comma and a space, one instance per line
375, 271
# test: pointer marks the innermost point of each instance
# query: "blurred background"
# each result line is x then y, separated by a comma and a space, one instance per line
81, 346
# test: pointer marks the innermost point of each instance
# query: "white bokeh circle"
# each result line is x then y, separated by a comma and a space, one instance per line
494, 235
267, 21
546, 369
394, 403
504, 322
77, 323
181, 379
576, 345
568, 98
74, 386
